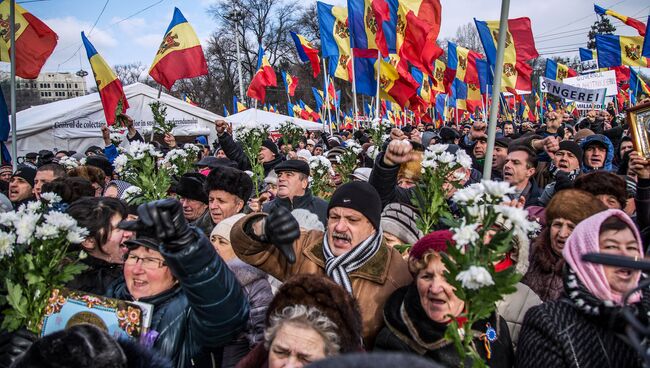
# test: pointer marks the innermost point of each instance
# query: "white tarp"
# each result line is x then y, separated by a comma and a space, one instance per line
597, 80
271, 119
74, 124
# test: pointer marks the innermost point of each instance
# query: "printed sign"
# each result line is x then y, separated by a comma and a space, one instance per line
568, 92
596, 80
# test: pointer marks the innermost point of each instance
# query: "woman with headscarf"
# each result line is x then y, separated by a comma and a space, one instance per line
417, 315
585, 327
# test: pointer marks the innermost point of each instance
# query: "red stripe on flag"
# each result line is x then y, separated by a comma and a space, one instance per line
33, 47
186, 63
110, 96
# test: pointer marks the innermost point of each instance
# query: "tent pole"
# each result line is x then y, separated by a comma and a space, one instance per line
12, 25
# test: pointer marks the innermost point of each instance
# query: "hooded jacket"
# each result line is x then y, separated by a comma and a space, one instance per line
609, 158
206, 308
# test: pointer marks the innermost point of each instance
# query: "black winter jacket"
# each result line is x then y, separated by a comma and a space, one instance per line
235, 153
98, 277
206, 308
409, 329
308, 202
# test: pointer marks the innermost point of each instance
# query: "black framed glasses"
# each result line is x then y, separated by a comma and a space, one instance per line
147, 262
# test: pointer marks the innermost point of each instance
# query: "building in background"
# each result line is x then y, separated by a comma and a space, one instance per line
53, 86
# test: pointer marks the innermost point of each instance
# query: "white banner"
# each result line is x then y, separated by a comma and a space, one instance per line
569, 92
596, 80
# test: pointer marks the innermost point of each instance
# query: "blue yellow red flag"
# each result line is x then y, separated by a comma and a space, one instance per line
424, 89
307, 52
394, 85
484, 75
438, 77
290, 83
637, 85
264, 77
616, 50
646, 39
225, 111
558, 71
588, 54
636, 24
108, 85
335, 39
520, 47
180, 54
463, 62
418, 26
35, 41
237, 106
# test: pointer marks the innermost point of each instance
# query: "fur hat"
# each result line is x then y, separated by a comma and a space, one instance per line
230, 180
412, 169
191, 185
321, 292
574, 205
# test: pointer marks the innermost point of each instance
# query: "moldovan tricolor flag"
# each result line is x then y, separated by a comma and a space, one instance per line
587, 54
307, 52
520, 47
638, 25
620, 50
418, 28
180, 54
395, 86
558, 71
290, 83
335, 39
35, 41
264, 77
108, 85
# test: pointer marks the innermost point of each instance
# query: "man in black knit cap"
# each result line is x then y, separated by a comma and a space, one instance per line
352, 251
195, 201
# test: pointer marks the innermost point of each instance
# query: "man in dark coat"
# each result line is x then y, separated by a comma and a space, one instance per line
269, 153
294, 192
195, 201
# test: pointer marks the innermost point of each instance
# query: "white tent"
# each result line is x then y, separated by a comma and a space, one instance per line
271, 119
74, 124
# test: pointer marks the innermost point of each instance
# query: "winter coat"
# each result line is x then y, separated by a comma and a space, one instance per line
514, 306
235, 153
98, 277
642, 201
533, 194
409, 329
372, 283
609, 158
544, 274
560, 334
204, 223
309, 202
206, 308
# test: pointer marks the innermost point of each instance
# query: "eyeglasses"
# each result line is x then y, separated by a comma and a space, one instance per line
147, 263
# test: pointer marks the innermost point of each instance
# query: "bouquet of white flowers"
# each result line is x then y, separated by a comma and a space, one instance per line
291, 133
181, 160
34, 259
348, 161
69, 162
440, 173
139, 166
321, 171
117, 134
251, 136
483, 235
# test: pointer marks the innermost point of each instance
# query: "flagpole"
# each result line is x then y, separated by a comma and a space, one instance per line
326, 93
378, 102
354, 91
541, 104
12, 25
503, 29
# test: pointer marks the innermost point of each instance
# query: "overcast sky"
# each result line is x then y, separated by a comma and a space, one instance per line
131, 30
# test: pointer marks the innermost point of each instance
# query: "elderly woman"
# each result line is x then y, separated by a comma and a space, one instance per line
565, 210
584, 327
417, 315
310, 318
104, 243
197, 302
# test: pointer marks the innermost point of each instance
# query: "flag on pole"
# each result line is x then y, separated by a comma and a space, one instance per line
418, 28
424, 89
225, 111
187, 99
519, 48
264, 77
108, 85
35, 41
439, 71
637, 85
558, 71
4, 130
290, 83
237, 106
646, 40
620, 50
461, 62
307, 52
484, 75
588, 54
638, 25
363, 23
335, 39
180, 54
395, 86
386, 37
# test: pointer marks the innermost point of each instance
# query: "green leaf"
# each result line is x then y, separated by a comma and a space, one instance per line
33, 279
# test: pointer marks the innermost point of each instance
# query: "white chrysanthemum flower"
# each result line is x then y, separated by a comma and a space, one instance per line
25, 227
76, 235
7, 241
518, 218
46, 231
497, 189
446, 157
8, 218
61, 220
463, 159
33, 207
82, 161
130, 193
120, 163
372, 152
470, 194
475, 278
465, 235
68, 162
51, 198
438, 148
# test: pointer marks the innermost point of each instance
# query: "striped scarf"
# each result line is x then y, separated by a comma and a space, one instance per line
339, 267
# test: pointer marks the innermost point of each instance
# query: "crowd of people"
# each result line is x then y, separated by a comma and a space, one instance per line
290, 279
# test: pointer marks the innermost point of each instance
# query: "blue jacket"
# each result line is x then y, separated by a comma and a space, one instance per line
610, 151
206, 308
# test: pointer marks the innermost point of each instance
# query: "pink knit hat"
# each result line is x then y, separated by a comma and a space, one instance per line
585, 239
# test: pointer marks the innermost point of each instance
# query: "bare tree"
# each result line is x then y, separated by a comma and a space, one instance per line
467, 37
130, 73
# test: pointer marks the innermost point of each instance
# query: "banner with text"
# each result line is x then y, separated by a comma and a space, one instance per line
606, 79
568, 92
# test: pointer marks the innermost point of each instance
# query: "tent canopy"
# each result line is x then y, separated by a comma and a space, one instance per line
74, 124
273, 120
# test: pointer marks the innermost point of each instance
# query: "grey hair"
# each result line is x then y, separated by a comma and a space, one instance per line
310, 317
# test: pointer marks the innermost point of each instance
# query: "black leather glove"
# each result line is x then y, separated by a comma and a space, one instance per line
165, 220
281, 229
13, 345
562, 181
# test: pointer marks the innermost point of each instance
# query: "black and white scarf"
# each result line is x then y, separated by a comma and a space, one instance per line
339, 267
552, 169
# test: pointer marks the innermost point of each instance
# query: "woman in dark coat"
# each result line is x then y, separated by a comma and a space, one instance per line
585, 327
197, 301
417, 315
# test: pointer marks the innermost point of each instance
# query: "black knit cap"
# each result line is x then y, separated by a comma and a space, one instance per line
27, 173
292, 165
271, 146
572, 147
360, 196
231, 180
191, 185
